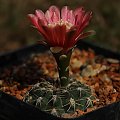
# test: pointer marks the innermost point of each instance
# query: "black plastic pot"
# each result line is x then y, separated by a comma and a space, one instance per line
14, 109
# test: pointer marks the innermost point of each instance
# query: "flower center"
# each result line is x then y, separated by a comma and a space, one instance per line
60, 23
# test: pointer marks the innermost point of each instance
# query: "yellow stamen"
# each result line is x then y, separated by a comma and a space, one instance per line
61, 22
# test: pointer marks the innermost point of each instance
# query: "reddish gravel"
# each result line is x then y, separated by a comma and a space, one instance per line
100, 73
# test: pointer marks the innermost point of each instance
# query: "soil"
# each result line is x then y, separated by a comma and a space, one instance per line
100, 73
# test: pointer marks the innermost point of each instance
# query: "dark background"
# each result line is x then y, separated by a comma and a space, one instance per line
15, 30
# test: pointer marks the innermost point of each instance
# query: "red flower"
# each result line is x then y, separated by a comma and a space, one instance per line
61, 29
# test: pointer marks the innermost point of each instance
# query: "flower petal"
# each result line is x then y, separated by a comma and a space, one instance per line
84, 23
79, 14
64, 13
78, 10
60, 32
48, 16
87, 18
33, 19
86, 34
68, 42
52, 15
71, 17
49, 32
55, 13
57, 35
41, 16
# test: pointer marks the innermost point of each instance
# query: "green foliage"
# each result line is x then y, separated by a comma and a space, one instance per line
58, 101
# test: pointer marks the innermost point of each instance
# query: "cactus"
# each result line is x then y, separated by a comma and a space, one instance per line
59, 101
61, 30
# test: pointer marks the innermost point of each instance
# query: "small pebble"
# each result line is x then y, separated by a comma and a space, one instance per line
106, 78
19, 97
76, 64
93, 70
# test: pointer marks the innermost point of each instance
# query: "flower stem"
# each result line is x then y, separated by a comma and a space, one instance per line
63, 61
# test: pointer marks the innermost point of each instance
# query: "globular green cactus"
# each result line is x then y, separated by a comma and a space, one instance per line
59, 101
